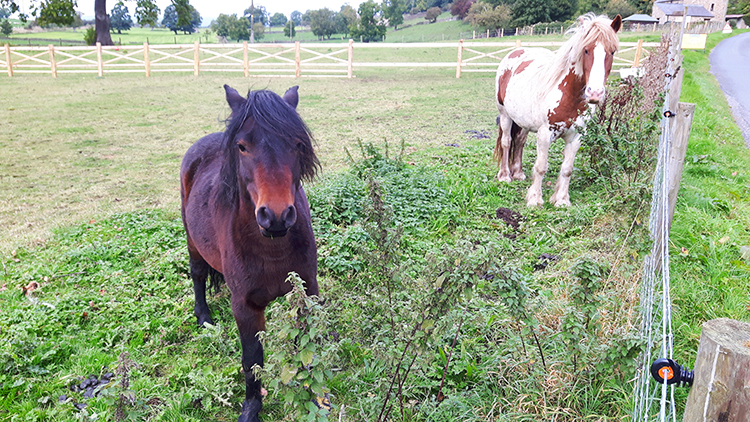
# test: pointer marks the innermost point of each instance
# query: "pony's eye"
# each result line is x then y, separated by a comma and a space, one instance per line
241, 147
586, 51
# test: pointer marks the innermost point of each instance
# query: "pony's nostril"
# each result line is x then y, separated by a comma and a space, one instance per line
289, 216
265, 217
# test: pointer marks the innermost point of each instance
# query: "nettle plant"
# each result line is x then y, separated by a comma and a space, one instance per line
298, 356
619, 146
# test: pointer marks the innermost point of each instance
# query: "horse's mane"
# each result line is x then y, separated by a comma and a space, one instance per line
588, 29
274, 120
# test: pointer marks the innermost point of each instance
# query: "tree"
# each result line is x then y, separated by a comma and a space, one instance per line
619, 7
394, 10
368, 27
278, 19
146, 13
119, 18
188, 22
6, 27
484, 16
258, 30
321, 22
258, 13
231, 27
432, 14
169, 20
58, 12
5, 13
529, 12
596, 6
289, 30
461, 8
102, 23
62, 12
562, 10
296, 17
344, 19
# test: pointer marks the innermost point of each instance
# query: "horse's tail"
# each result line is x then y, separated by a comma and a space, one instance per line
216, 279
498, 153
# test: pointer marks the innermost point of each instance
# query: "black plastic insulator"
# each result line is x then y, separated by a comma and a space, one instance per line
668, 114
674, 373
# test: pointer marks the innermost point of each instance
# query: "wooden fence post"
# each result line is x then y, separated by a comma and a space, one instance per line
460, 58
245, 59
680, 128
638, 52
518, 43
722, 370
297, 70
7, 60
99, 62
350, 63
196, 58
146, 61
52, 63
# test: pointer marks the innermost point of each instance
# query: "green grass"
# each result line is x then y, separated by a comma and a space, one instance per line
710, 276
90, 211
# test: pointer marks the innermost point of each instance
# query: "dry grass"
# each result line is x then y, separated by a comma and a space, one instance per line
78, 147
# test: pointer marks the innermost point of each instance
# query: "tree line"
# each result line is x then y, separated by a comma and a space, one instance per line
368, 22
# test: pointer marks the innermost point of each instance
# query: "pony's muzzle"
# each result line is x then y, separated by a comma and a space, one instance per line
593, 96
273, 225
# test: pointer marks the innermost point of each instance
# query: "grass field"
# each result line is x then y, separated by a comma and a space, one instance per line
89, 210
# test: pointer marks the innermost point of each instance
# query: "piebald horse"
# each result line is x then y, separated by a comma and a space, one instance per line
548, 93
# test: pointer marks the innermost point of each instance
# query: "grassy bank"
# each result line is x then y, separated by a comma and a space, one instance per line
710, 272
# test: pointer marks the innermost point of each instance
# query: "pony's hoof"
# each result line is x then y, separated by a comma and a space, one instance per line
561, 203
250, 410
503, 178
203, 320
519, 176
533, 200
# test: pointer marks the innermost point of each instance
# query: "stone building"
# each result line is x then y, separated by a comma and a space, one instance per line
698, 10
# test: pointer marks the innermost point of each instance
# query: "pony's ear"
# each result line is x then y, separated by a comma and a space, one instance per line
234, 98
617, 23
291, 96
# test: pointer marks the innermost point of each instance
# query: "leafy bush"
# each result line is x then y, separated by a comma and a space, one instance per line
90, 35
618, 152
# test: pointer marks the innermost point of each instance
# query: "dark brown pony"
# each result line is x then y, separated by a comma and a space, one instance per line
247, 217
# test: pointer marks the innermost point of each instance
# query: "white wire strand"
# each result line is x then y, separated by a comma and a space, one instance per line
656, 281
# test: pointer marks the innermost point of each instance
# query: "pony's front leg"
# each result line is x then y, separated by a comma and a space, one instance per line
561, 197
534, 194
502, 147
250, 320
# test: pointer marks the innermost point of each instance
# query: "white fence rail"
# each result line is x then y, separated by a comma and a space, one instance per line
269, 60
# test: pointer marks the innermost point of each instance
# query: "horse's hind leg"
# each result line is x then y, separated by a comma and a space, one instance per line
516, 152
199, 273
503, 145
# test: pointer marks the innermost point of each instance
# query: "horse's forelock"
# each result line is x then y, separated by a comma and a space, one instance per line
274, 119
588, 29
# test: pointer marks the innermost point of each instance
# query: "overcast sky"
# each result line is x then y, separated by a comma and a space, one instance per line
210, 9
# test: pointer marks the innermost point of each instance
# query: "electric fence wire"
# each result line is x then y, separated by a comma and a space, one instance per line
656, 309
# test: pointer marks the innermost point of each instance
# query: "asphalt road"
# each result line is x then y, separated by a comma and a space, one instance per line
730, 63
